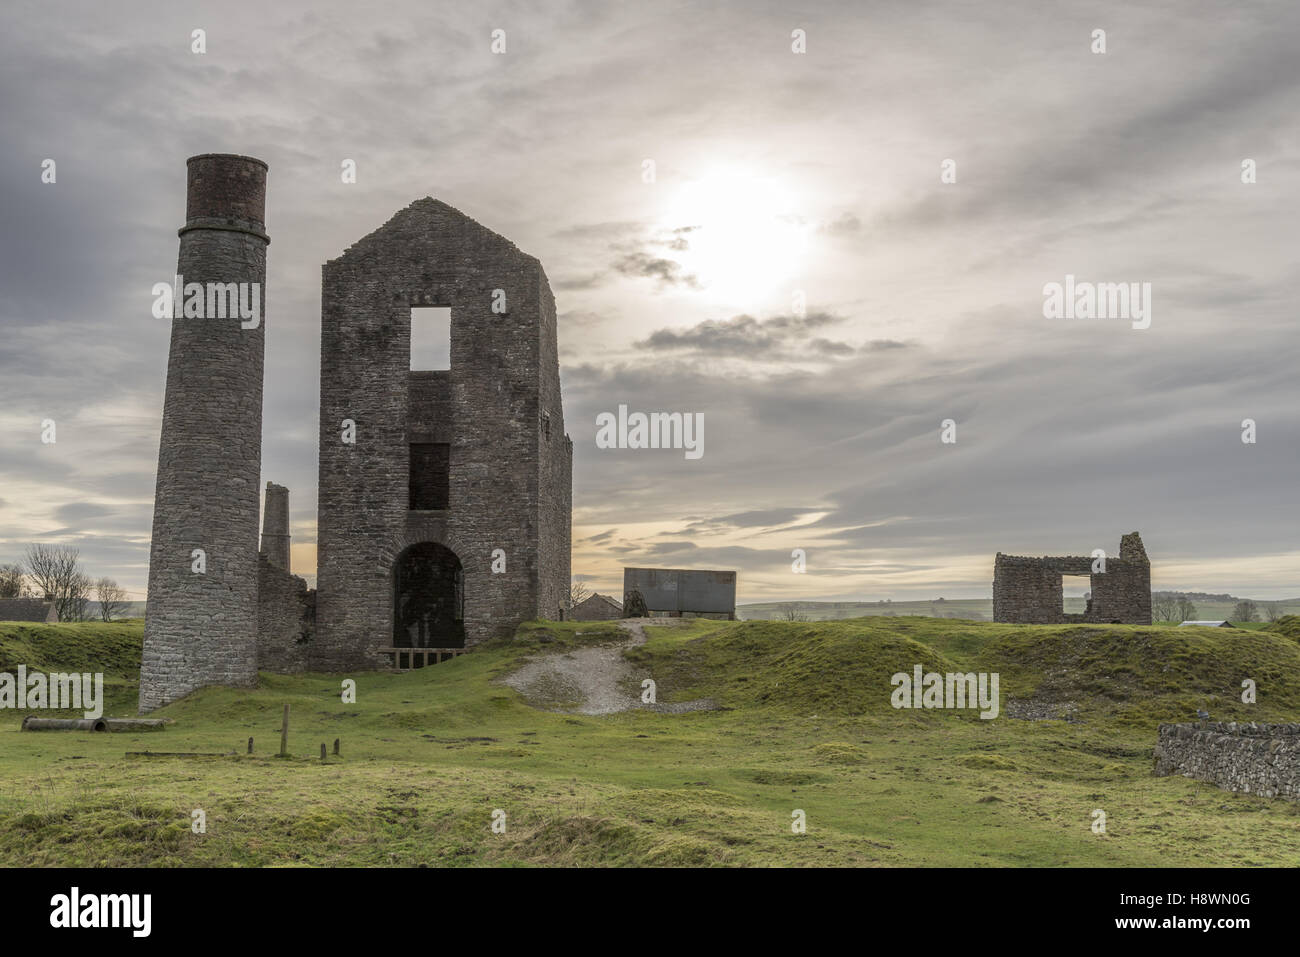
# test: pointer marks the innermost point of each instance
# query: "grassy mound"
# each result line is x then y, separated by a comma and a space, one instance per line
806, 732
1288, 625
1144, 675
111, 647
82, 647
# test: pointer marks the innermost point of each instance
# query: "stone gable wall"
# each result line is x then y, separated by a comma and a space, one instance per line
509, 484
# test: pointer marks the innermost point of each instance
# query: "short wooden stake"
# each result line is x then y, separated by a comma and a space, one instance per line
284, 733
336, 745
250, 745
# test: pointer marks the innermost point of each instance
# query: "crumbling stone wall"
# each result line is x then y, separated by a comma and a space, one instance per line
554, 467
1261, 759
1029, 590
275, 525
286, 608
498, 407
286, 619
201, 627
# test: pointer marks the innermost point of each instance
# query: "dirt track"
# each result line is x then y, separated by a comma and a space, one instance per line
590, 680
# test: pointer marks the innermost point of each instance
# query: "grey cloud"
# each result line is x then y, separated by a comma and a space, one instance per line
668, 272
745, 336
846, 224
1067, 435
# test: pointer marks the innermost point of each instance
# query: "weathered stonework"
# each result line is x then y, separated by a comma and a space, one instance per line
286, 608
275, 525
495, 414
201, 628
446, 521
286, 619
1030, 590
1261, 759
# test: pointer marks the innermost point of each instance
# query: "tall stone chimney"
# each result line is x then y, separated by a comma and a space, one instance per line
201, 617
275, 526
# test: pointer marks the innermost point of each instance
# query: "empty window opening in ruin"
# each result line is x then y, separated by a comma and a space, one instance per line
430, 338
1076, 594
430, 483
428, 598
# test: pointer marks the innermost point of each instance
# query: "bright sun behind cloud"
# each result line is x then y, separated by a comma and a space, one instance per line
744, 237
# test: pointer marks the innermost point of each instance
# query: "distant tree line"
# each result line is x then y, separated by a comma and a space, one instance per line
1170, 606
1178, 606
55, 572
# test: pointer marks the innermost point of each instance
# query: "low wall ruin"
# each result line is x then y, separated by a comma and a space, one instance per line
1250, 758
286, 619
1029, 591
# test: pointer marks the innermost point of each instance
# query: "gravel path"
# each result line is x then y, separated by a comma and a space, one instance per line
589, 680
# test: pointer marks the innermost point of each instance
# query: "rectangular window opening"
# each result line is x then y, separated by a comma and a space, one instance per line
430, 338
1076, 594
430, 475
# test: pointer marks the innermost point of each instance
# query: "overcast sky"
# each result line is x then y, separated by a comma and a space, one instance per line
775, 174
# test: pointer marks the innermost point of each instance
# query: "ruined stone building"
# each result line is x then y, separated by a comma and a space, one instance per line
286, 607
445, 494
1031, 590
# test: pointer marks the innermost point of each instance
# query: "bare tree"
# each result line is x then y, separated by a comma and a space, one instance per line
1164, 607
111, 598
1272, 611
578, 593
55, 570
11, 580
790, 612
1184, 609
79, 598
1246, 610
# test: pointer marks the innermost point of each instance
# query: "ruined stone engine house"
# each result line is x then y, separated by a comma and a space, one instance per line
1031, 590
445, 495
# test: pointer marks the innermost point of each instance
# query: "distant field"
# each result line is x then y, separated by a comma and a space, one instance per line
806, 724
974, 609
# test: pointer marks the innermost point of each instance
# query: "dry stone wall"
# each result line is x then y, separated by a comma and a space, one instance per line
1261, 759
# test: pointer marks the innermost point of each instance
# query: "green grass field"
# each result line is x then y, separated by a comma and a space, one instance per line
977, 609
805, 724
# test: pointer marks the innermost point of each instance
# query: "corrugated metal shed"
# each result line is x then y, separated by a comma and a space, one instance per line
678, 591
1207, 624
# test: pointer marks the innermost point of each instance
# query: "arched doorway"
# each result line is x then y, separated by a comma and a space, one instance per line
428, 598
